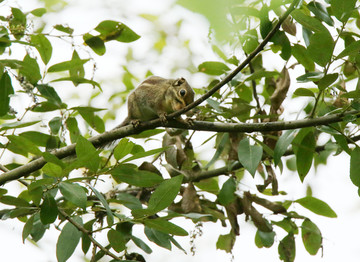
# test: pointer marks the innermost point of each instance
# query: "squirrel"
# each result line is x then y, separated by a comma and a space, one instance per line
156, 97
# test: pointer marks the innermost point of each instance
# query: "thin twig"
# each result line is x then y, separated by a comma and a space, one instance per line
83, 230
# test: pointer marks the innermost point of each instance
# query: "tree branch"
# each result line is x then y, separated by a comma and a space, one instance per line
83, 230
118, 133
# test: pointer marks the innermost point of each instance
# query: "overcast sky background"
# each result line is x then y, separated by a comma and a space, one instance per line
331, 183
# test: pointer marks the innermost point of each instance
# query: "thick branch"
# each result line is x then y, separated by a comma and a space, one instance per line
86, 232
114, 134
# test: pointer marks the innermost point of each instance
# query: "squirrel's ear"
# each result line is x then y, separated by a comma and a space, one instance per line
179, 81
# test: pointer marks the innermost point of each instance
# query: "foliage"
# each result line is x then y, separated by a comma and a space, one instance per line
318, 40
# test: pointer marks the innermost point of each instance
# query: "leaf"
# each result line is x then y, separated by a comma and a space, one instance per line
30, 69
43, 45
311, 76
117, 240
327, 80
72, 126
123, 148
162, 197
307, 21
303, 92
264, 239
49, 210
129, 201
95, 43
287, 248
301, 55
88, 113
320, 12
148, 133
87, 154
28, 227
226, 242
305, 154
112, 30
126, 173
261, 74
14, 201
354, 166
67, 241
282, 144
321, 48
227, 192
350, 50
25, 144
141, 244
342, 9
144, 154
311, 237
110, 216
50, 94
38, 12
67, 65
6, 91
74, 193
159, 238
316, 206
213, 68
165, 226
64, 29
55, 124
219, 149
249, 155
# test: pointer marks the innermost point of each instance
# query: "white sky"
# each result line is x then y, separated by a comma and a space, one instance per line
331, 183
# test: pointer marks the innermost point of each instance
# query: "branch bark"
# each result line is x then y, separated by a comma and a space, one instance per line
114, 134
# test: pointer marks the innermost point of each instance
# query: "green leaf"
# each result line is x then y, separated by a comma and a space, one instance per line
354, 166
303, 92
116, 240
95, 43
67, 241
50, 94
64, 29
88, 113
162, 197
249, 155
112, 30
227, 192
110, 216
342, 9
311, 237
350, 50
129, 201
320, 12
307, 21
226, 242
6, 91
305, 154
311, 76
213, 68
141, 178
72, 125
14, 201
287, 248
74, 193
30, 69
55, 124
301, 55
282, 144
28, 227
87, 154
261, 74
38, 12
49, 209
123, 148
141, 244
264, 239
159, 238
25, 144
43, 45
67, 65
165, 226
148, 133
327, 80
316, 206
219, 149
144, 154
38, 138
321, 48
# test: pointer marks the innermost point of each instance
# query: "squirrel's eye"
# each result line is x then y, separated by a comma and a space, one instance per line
182, 92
